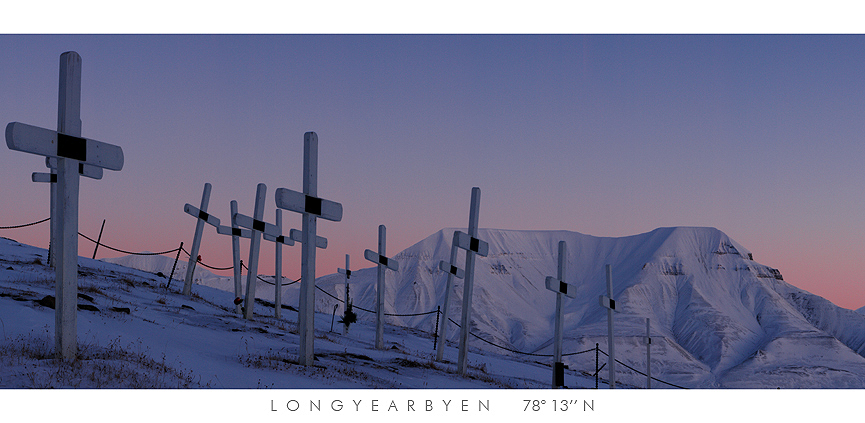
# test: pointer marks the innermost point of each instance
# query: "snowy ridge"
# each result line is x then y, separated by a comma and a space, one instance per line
719, 319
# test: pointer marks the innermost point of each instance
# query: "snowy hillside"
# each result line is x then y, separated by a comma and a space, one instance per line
718, 318
135, 333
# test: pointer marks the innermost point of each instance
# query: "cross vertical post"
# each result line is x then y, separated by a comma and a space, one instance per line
610, 309
235, 258
306, 317
54, 235
274, 233
452, 271
383, 263
196, 241
66, 203
347, 273
475, 247
557, 351
277, 295
648, 355
254, 247
560, 287
379, 291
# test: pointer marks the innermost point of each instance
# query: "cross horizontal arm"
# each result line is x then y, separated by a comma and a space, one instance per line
256, 225
280, 239
472, 244
380, 259
556, 285
45, 142
449, 268
195, 212
87, 170
302, 203
228, 230
297, 236
44, 177
608, 302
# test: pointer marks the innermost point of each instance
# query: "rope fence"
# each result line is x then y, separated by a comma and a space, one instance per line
342, 300
269, 282
202, 263
124, 251
639, 372
26, 224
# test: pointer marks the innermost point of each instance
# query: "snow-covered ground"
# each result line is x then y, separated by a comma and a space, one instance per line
168, 340
719, 319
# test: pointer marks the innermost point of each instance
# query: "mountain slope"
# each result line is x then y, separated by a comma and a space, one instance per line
718, 318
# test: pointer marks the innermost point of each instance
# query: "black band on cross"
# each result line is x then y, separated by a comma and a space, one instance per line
313, 205
257, 225
236, 232
475, 244
203, 215
563, 287
71, 147
382, 260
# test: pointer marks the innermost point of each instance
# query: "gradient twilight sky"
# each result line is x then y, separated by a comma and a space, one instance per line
760, 136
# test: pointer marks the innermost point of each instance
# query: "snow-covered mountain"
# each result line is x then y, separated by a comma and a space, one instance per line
718, 318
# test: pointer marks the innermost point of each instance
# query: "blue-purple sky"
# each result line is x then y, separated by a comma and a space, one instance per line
760, 136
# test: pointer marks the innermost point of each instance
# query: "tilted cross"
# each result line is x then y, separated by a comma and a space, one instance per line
202, 217
257, 226
452, 271
473, 246
236, 233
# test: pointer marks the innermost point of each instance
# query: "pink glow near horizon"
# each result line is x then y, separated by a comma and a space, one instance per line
758, 136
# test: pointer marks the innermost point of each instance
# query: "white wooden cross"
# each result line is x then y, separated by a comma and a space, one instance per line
347, 273
383, 263
278, 239
560, 287
257, 226
311, 207
473, 246
202, 217
236, 233
609, 303
452, 271
67, 145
